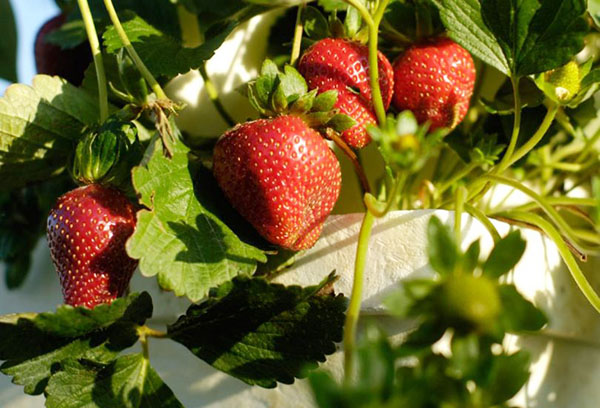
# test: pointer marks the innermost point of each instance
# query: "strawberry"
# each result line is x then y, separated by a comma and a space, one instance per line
50, 59
281, 176
86, 231
343, 65
435, 80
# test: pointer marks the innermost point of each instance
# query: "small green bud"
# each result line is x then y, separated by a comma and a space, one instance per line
561, 84
103, 156
470, 302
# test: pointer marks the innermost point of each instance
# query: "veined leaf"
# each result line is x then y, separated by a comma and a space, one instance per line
127, 382
263, 333
518, 37
39, 127
180, 239
163, 54
34, 345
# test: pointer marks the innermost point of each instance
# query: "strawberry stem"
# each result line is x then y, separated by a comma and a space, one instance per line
459, 208
114, 18
360, 172
484, 220
353, 312
373, 23
505, 163
297, 42
567, 256
544, 205
213, 95
92, 35
371, 202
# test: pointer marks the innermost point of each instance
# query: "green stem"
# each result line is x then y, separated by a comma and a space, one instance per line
505, 163
191, 35
484, 220
537, 137
567, 256
544, 205
353, 312
352, 156
92, 35
373, 204
114, 18
588, 148
584, 202
213, 95
465, 171
373, 25
297, 42
459, 208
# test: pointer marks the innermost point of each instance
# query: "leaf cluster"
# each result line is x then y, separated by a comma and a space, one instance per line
465, 304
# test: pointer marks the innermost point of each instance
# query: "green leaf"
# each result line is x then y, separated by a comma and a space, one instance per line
325, 102
39, 126
442, 250
127, 382
316, 26
519, 314
464, 22
292, 83
180, 238
518, 37
470, 259
69, 35
341, 122
34, 345
263, 333
536, 35
8, 42
505, 255
163, 54
507, 375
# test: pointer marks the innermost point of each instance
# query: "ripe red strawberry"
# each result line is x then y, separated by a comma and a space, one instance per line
52, 60
281, 176
343, 65
87, 230
435, 80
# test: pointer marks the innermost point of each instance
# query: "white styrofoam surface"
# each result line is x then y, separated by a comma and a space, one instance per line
565, 368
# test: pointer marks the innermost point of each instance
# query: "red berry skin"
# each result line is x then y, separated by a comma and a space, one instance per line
343, 65
87, 230
435, 80
50, 59
281, 176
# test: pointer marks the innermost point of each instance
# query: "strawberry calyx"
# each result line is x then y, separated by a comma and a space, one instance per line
275, 93
107, 154
318, 26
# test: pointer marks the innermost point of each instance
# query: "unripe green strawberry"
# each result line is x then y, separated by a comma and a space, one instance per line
87, 230
435, 80
281, 176
50, 59
343, 65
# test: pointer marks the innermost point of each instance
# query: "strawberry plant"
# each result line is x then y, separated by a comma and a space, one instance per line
378, 105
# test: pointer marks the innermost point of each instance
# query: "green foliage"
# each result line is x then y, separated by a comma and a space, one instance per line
38, 128
263, 333
162, 53
8, 42
128, 382
465, 302
181, 237
276, 93
517, 37
35, 345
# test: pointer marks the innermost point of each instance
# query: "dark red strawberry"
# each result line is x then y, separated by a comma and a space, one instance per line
343, 65
87, 230
281, 176
50, 59
435, 80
